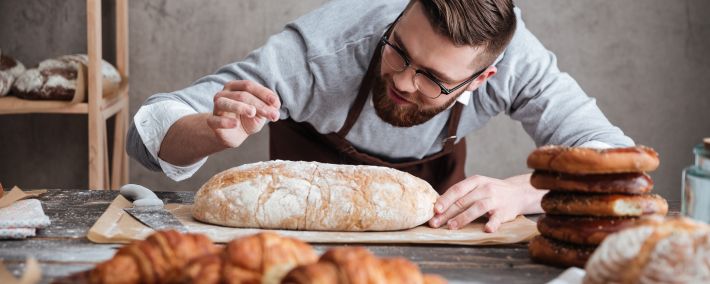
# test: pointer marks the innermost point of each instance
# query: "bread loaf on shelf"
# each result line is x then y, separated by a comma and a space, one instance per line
315, 196
59, 79
10, 69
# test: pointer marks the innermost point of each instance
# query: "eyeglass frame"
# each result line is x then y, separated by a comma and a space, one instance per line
408, 63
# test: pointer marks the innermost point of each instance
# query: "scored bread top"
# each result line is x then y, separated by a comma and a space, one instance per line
315, 196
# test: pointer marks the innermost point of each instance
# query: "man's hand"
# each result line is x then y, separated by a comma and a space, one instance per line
501, 200
241, 109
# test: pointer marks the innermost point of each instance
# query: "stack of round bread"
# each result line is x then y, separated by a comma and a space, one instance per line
593, 193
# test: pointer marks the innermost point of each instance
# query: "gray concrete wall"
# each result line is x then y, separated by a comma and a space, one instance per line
644, 60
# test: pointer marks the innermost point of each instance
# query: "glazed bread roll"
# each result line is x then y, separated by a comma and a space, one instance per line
675, 250
626, 183
581, 230
261, 258
609, 205
315, 196
579, 160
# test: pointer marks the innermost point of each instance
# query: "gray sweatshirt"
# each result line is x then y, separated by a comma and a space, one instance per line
316, 63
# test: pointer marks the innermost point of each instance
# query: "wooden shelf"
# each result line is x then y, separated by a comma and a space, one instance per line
109, 104
98, 108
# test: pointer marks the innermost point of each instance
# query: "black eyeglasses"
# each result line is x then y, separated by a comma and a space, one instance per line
426, 83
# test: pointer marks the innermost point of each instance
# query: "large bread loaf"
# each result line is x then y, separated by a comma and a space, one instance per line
315, 196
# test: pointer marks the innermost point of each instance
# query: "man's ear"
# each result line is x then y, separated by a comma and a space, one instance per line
490, 71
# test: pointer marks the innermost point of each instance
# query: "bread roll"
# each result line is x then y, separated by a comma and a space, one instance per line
674, 250
605, 205
315, 196
579, 160
626, 183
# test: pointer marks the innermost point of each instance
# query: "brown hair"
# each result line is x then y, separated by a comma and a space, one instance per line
487, 23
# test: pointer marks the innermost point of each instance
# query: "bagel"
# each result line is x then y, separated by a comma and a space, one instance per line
559, 254
627, 183
581, 230
605, 205
581, 160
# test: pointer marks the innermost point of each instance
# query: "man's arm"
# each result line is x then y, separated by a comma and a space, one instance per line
189, 140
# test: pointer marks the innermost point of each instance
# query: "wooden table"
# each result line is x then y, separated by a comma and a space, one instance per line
62, 248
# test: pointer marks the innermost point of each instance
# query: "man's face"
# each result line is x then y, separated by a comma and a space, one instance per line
396, 98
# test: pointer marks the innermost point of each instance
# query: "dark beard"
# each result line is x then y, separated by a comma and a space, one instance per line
401, 116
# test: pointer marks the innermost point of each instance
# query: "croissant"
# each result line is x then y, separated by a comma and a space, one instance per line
156, 259
357, 265
261, 258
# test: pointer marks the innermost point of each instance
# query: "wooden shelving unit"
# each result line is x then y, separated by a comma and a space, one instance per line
98, 108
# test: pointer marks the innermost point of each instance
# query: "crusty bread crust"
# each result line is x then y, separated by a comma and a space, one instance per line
671, 250
581, 230
627, 183
315, 196
579, 160
559, 254
609, 205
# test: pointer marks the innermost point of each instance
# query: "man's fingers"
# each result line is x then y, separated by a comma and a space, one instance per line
458, 206
476, 210
258, 90
262, 108
494, 222
456, 192
221, 122
223, 104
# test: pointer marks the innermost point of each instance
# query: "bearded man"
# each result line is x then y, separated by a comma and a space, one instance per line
392, 83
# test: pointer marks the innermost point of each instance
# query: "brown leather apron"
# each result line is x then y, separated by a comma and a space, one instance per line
299, 141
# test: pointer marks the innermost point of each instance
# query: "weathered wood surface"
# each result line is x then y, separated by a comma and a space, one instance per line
63, 249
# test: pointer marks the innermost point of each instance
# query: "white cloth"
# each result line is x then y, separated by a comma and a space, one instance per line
22, 218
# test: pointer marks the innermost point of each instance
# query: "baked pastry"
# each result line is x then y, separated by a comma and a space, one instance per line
611, 205
674, 250
60, 79
558, 253
157, 259
10, 69
261, 258
315, 196
579, 160
581, 230
357, 265
626, 183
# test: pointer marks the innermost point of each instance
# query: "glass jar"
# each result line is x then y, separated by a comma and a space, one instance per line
696, 185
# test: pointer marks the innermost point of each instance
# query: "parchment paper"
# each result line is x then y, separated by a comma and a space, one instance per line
115, 226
